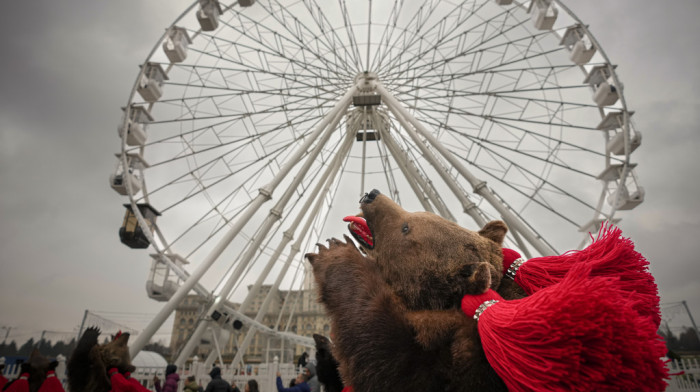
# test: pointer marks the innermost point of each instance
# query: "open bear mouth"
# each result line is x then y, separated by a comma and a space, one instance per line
359, 229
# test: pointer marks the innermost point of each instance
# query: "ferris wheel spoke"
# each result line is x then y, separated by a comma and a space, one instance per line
272, 56
546, 153
418, 33
525, 194
332, 40
455, 47
303, 38
536, 181
514, 144
493, 69
355, 57
268, 157
245, 140
460, 52
386, 36
302, 115
254, 71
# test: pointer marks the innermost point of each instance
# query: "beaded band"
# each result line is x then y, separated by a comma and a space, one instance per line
513, 269
483, 307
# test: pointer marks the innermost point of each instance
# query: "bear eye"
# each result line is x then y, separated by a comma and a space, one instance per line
404, 228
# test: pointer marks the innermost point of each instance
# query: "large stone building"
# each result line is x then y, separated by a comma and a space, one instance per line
307, 318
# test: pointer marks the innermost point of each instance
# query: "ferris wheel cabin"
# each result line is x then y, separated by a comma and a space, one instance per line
581, 49
131, 233
162, 282
175, 46
151, 84
208, 14
138, 118
366, 105
614, 121
605, 93
119, 179
543, 14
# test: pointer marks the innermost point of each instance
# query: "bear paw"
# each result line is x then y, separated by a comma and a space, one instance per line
337, 251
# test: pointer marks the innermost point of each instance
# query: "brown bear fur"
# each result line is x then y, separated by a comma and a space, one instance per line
396, 312
88, 365
36, 367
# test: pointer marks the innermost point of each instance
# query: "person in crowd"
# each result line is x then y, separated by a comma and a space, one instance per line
300, 385
312, 379
171, 380
192, 386
252, 386
217, 384
234, 386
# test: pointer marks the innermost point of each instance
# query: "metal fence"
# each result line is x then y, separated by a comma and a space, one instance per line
686, 375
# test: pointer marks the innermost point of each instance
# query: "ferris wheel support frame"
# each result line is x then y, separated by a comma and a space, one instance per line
419, 186
322, 188
324, 129
479, 186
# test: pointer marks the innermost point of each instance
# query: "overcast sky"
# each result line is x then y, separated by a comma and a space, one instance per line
67, 69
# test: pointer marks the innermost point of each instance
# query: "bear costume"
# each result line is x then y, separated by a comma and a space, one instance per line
395, 310
89, 368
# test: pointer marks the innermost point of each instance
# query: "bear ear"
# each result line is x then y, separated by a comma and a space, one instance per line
122, 339
495, 231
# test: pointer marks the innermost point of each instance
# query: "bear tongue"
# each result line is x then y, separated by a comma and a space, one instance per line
358, 226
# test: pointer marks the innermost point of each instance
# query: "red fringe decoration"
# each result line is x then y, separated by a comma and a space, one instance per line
51, 384
19, 385
609, 255
119, 382
579, 335
138, 387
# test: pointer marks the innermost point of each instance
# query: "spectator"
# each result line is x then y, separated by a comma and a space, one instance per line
192, 386
300, 385
234, 387
252, 386
217, 384
312, 379
171, 380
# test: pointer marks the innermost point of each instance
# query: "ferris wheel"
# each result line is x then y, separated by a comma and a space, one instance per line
253, 127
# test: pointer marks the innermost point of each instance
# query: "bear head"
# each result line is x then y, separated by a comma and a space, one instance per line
429, 261
115, 354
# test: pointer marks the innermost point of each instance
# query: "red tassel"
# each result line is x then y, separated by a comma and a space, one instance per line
52, 383
20, 385
579, 335
119, 382
609, 255
138, 387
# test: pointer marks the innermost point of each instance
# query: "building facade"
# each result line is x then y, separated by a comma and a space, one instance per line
295, 311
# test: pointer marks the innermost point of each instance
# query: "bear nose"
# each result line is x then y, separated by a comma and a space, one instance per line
369, 197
